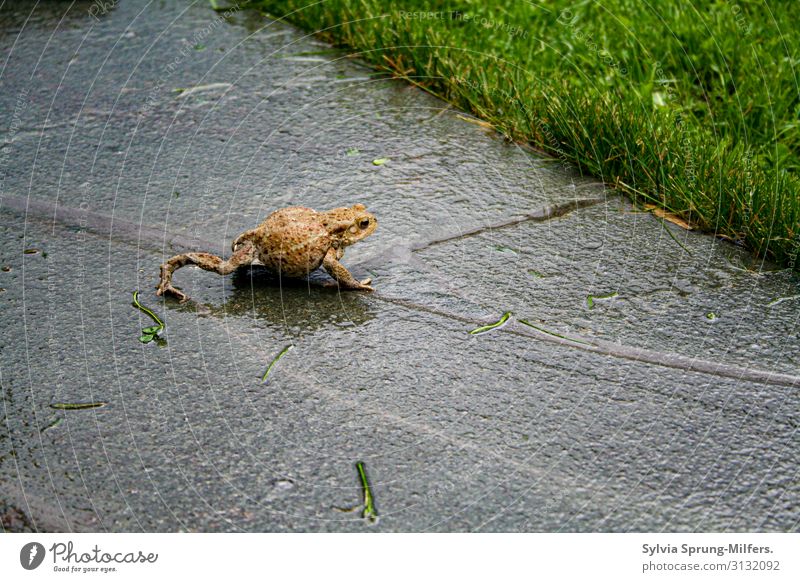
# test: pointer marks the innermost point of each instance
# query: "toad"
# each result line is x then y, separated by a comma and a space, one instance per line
291, 242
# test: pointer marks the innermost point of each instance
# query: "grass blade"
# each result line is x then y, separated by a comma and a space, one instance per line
77, 405
369, 513
499, 323
283, 352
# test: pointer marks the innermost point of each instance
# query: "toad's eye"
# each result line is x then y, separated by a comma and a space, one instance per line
364, 224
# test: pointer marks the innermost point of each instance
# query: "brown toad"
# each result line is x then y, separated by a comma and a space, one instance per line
291, 242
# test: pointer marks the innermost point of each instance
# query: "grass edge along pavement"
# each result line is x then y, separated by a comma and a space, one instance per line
686, 139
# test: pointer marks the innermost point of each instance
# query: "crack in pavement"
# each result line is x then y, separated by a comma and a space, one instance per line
542, 215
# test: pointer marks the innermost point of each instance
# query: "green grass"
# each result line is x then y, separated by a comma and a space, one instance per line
693, 106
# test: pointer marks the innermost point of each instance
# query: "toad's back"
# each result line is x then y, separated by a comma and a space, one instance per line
292, 241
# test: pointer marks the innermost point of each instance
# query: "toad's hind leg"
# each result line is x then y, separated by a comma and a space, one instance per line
244, 255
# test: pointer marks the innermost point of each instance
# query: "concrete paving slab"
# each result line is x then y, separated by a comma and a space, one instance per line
679, 292
657, 417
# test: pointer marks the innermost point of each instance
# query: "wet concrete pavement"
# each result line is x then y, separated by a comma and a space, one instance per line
669, 404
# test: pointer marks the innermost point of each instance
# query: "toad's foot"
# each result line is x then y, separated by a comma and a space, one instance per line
242, 238
342, 275
165, 288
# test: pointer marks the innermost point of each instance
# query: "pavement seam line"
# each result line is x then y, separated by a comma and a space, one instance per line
130, 233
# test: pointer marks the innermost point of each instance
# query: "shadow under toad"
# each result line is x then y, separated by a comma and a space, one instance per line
301, 305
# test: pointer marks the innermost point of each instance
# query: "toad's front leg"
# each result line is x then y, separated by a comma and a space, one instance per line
341, 274
244, 255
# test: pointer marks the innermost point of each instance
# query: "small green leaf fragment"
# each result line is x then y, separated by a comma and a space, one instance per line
711, 316
779, 300
346, 509
590, 299
283, 352
352, 151
672, 236
369, 513
505, 249
379, 161
148, 332
53, 424
77, 405
499, 323
536, 274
